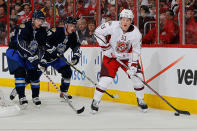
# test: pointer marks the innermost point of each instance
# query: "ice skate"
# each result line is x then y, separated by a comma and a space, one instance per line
142, 105
14, 93
36, 101
23, 102
94, 106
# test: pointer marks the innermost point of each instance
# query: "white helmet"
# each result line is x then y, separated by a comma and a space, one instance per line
127, 13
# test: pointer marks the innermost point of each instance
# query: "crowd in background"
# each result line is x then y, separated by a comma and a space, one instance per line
21, 11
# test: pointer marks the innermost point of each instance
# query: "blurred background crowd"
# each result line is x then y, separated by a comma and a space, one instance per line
16, 12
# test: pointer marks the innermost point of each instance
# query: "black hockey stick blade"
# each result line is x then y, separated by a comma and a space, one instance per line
69, 103
80, 110
183, 112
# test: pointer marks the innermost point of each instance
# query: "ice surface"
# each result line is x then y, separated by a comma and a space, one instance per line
55, 115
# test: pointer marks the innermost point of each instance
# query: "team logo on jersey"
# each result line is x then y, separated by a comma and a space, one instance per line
61, 48
33, 46
22, 25
122, 46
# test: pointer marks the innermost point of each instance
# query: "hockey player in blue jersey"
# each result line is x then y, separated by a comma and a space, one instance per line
23, 55
59, 40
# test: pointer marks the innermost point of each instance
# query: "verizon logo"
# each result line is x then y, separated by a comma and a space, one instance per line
188, 76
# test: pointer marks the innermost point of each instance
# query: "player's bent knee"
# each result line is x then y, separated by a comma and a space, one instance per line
66, 72
104, 82
20, 73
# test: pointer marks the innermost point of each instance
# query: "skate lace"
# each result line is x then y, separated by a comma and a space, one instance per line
95, 103
36, 99
23, 99
141, 102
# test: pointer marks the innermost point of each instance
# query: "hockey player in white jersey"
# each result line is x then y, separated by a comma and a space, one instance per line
119, 40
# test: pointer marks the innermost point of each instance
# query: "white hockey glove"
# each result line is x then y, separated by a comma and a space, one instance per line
42, 65
132, 70
75, 60
33, 59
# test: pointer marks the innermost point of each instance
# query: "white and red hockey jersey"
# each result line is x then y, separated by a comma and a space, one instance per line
125, 46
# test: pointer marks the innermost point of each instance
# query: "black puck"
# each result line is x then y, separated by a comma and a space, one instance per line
176, 114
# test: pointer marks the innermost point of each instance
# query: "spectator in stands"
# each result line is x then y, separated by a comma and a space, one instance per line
2, 15
13, 14
81, 11
191, 30
189, 13
19, 2
69, 2
105, 18
47, 6
50, 18
3, 23
144, 18
60, 4
122, 4
38, 4
86, 3
112, 12
3, 3
27, 14
82, 31
104, 8
168, 32
91, 27
92, 7
18, 9
69, 10
144, 2
152, 8
189, 3
175, 6
111, 2
131, 4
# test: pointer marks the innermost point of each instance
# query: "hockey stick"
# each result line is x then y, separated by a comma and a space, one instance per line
65, 97
95, 84
177, 110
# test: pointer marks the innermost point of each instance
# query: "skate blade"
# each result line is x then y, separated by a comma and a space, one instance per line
63, 100
93, 112
143, 110
24, 106
37, 106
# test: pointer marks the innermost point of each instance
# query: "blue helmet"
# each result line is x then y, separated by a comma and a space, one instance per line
70, 20
38, 15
